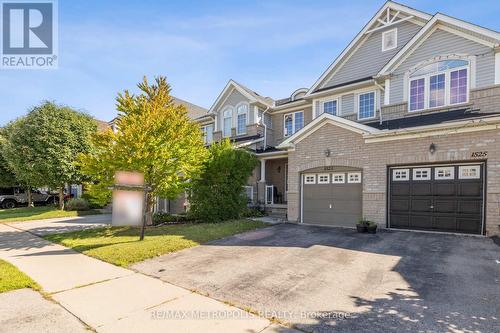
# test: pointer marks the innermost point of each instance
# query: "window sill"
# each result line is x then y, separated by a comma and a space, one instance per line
442, 108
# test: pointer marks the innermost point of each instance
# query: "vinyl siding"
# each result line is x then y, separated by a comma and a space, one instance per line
347, 105
234, 99
444, 43
368, 59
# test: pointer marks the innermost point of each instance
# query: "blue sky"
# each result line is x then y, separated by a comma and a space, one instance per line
273, 47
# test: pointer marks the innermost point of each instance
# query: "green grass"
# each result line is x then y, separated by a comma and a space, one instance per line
121, 245
11, 278
37, 213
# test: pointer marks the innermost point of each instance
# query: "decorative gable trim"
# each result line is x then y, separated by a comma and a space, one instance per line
359, 39
233, 85
448, 24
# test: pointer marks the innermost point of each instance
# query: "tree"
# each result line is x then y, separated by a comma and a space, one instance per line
7, 176
155, 137
218, 194
41, 148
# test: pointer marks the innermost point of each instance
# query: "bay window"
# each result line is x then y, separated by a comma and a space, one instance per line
241, 119
227, 122
439, 84
293, 122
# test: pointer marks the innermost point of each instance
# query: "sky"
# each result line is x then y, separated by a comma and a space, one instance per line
273, 47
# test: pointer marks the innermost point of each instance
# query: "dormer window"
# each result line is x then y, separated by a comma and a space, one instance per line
439, 84
227, 122
242, 116
389, 40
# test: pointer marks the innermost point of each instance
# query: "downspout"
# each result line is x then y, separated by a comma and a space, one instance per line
265, 127
380, 111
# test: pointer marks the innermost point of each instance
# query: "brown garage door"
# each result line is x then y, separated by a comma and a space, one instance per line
445, 198
332, 198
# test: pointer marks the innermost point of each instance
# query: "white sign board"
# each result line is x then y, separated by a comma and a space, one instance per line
128, 204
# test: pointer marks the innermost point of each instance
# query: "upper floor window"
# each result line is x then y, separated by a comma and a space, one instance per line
366, 106
389, 40
293, 122
330, 107
439, 84
242, 116
208, 131
227, 122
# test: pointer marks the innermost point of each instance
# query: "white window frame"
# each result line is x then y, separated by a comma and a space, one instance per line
354, 181
327, 181
451, 176
447, 84
461, 169
416, 170
401, 179
270, 201
224, 117
322, 104
384, 34
342, 175
286, 135
309, 182
238, 113
205, 131
375, 103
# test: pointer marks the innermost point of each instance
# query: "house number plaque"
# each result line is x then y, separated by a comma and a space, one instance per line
479, 154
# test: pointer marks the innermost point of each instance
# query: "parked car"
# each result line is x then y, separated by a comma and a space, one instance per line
11, 197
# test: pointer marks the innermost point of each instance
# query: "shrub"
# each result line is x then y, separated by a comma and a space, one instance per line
218, 194
252, 212
77, 204
162, 218
97, 195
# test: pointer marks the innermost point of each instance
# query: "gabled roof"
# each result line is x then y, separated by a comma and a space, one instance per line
248, 93
373, 24
465, 29
322, 120
194, 111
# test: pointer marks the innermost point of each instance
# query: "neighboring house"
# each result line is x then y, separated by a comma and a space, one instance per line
401, 129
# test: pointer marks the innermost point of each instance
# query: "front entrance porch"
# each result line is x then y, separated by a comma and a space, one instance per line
273, 184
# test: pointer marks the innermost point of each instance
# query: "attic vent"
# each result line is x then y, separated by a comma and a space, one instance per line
389, 39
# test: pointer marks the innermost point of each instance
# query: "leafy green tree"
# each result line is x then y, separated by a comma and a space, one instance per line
155, 137
218, 194
7, 177
41, 148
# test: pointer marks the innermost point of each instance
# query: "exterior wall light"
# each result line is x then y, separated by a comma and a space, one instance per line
432, 148
327, 153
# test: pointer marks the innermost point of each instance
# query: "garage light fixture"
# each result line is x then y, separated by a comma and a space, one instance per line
432, 148
327, 153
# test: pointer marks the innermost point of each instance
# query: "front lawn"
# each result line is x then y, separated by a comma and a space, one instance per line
38, 213
11, 278
121, 245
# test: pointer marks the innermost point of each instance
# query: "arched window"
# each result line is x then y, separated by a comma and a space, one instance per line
227, 122
439, 84
242, 116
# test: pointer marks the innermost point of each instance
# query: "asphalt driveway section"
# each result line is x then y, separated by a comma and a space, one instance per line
63, 224
26, 311
324, 279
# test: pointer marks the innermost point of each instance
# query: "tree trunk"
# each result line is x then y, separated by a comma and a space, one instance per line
148, 213
29, 197
61, 198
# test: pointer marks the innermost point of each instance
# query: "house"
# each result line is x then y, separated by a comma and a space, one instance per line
402, 129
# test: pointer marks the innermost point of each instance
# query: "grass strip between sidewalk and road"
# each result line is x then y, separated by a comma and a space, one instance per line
121, 245
38, 213
12, 278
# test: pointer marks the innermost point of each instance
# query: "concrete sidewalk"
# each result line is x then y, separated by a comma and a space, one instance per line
114, 299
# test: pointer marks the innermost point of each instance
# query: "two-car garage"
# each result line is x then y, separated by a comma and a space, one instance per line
444, 198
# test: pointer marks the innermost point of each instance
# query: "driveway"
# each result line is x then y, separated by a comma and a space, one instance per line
63, 224
326, 279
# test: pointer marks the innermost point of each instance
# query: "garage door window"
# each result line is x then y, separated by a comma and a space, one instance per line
422, 174
338, 178
354, 177
401, 174
324, 178
469, 172
443, 173
310, 179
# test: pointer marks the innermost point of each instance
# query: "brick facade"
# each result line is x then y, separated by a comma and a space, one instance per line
349, 149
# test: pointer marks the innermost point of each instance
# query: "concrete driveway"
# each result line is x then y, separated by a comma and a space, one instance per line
327, 279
